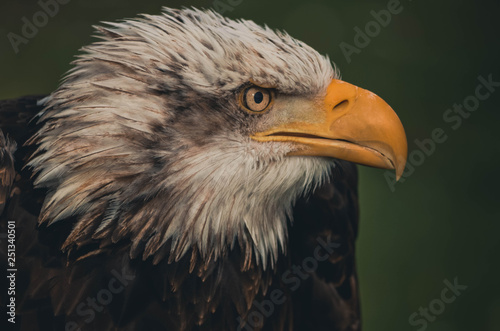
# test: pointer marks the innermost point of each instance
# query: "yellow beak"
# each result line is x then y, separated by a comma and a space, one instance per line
350, 123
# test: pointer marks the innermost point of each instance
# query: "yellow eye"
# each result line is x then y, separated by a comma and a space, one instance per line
256, 99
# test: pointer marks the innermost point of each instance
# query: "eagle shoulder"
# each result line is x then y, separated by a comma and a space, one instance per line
15, 129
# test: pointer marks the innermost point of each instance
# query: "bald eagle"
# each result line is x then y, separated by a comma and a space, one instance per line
191, 172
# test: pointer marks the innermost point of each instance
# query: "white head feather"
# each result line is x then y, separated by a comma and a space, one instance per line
143, 141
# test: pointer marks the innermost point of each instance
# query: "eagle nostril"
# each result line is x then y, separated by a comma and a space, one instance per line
341, 105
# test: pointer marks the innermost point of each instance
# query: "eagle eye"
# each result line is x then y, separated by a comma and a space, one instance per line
256, 99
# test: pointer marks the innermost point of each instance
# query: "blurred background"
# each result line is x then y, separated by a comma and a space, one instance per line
441, 221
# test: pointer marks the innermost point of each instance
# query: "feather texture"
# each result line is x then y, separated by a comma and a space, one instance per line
142, 125
139, 173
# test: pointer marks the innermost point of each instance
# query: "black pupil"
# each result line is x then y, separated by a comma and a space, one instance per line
258, 97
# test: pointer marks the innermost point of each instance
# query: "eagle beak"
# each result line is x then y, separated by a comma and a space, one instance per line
350, 123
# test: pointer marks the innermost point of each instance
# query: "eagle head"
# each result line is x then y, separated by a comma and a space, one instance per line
188, 130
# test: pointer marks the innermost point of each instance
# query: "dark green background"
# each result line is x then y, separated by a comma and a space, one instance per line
443, 221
